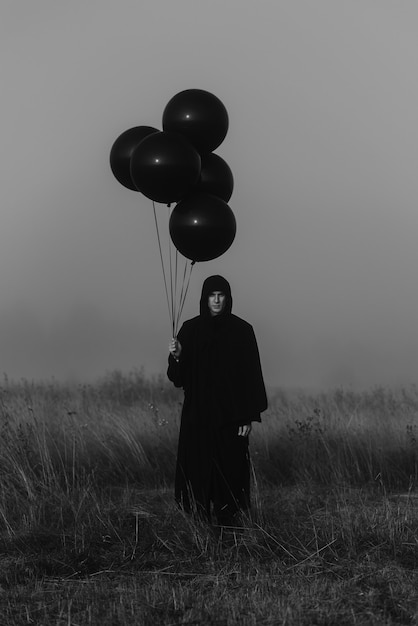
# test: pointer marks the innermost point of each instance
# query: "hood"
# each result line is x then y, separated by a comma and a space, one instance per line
215, 283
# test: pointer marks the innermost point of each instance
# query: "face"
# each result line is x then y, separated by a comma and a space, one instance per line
216, 302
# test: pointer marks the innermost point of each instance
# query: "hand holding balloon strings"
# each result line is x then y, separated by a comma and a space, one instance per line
175, 348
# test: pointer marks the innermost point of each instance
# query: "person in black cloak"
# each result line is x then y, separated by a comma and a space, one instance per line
215, 359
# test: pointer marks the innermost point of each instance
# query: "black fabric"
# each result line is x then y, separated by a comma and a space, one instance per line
220, 371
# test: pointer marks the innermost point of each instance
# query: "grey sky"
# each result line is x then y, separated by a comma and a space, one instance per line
322, 98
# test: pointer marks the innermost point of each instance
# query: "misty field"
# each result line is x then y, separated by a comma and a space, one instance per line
90, 533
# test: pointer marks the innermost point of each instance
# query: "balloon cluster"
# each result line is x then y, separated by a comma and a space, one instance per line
178, 165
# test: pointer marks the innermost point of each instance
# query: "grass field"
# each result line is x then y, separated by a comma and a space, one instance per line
89, 533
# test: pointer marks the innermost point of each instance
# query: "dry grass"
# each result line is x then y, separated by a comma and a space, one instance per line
89, 533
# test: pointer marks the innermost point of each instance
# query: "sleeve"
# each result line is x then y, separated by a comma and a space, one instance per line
260, 395
252, 399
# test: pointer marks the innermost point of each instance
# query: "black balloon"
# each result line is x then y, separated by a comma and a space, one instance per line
215, 177
198, 115
165, 166
202, 227
122, 150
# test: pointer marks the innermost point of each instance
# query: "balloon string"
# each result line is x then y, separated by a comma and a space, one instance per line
187, 289
170, 309
184, 292
173, 277
174, 312
181, 295
172, 286
176, 279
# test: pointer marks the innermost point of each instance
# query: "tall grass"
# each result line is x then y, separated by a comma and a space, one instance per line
341, 437
89, 533
123, 430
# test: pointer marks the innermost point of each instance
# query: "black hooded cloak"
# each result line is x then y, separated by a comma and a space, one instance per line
220, 372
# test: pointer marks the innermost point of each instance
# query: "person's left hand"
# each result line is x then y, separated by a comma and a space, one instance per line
244, 431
